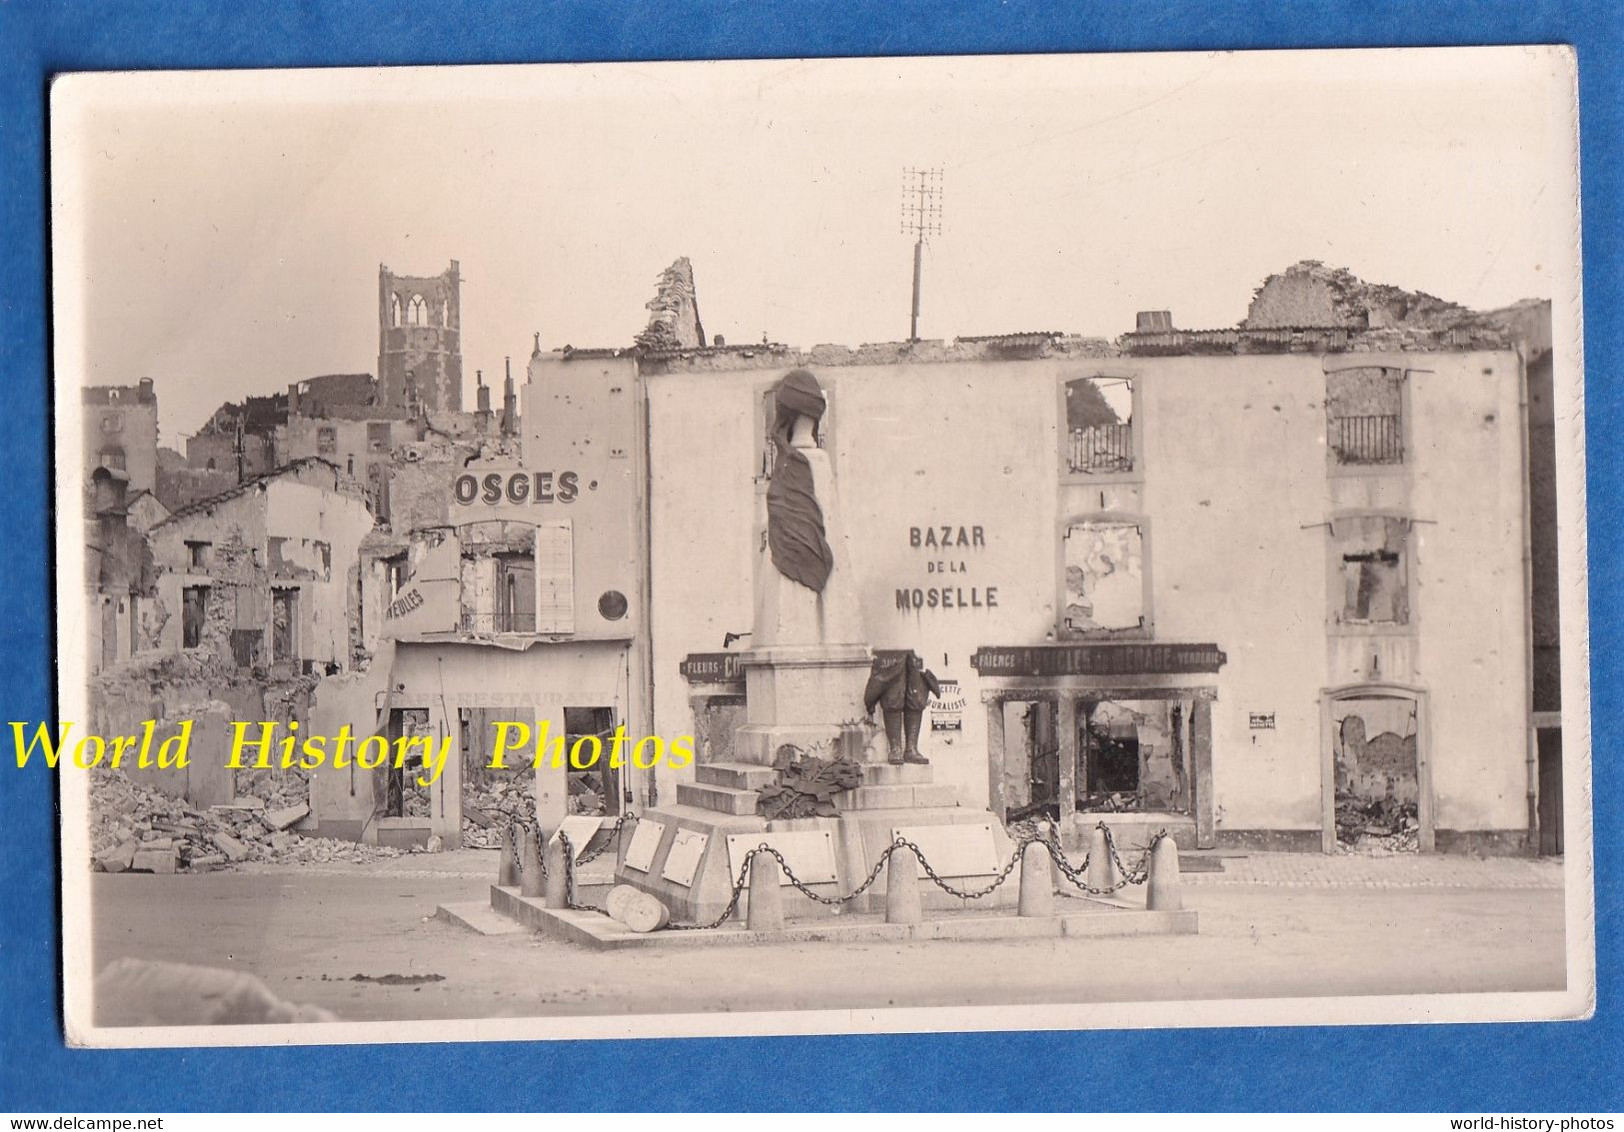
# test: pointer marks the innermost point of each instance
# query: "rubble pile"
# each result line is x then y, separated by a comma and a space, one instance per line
1377, 828
490, 806
134, 828
278, 789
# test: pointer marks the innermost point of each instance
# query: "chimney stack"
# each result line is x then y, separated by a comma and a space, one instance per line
510, 402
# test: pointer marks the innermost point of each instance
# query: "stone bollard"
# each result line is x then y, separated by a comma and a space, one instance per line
766, 900
555, 882
1037, 881
1051, 833
1166, 893
902, 900
507, 871
1102, 872
530, 866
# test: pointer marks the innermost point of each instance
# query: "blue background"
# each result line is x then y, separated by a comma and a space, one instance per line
1485, 1068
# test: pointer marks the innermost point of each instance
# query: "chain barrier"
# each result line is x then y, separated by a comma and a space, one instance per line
1076, 875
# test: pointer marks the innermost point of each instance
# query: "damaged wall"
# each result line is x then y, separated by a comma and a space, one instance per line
673, 322
1225, 442
291, 533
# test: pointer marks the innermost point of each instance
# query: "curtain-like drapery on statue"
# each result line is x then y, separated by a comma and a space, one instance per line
795, 528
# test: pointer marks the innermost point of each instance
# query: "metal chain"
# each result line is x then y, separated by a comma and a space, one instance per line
1143, 873
614, 834
1073, 873
732, 900
1009, 867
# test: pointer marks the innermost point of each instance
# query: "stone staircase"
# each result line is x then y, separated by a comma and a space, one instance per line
730, 788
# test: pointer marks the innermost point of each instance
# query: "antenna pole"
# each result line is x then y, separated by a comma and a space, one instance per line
921, 218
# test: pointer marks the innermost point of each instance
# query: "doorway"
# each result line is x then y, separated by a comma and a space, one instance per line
1549, 741
1376, 781
594, 791
404, 797
1133, 756
1031, 760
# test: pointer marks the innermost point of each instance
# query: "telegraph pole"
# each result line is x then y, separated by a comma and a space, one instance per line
921, 218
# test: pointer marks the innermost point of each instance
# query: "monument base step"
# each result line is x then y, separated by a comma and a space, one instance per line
832, 855
735, 776
1073, 918
719, 799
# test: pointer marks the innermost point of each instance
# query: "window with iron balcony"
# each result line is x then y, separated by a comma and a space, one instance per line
1098, 437
1364, 416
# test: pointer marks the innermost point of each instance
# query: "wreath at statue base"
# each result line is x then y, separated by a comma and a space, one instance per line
807, 785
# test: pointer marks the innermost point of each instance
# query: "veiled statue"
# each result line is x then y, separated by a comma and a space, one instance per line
805, 591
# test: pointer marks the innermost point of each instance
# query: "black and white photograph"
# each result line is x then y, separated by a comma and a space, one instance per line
820, 546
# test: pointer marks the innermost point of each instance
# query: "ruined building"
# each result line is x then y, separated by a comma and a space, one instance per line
420, 339
673, 322
121, 432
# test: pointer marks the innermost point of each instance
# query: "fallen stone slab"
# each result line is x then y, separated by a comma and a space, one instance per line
150, 860
281, 819
233, 849
119, 858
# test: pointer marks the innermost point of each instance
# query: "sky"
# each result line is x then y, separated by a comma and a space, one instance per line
221, 233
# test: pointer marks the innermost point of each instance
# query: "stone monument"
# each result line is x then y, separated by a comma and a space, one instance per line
805, 679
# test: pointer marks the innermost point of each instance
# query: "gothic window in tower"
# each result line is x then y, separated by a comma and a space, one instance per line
394, 310
417, 312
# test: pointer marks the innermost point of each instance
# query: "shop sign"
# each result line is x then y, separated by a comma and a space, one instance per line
947, 713
1262, 720
712, 667
1137, 658
514, 486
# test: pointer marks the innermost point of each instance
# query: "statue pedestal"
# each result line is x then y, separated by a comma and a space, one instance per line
811, 697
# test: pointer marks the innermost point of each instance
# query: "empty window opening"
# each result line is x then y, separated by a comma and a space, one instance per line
397, 572
517, 577
1371, 560
284, 624
1365, 415
1105, 585
326, 440
1373, 743
194, 602
1099, 425
198, 555
516, 593
417, 312
394, 310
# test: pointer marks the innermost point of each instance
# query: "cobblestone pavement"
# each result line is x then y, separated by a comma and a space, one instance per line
1276, 870
1408, 870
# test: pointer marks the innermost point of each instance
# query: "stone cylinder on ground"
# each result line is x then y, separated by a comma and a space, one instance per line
766, 913
507, 870
1102, 871
1165, 890
903, 904
1037, 881
555, 881
530, 880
